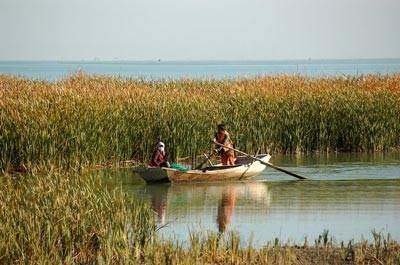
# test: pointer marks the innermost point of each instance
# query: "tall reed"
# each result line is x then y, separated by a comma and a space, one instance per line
70, 219
212, 249
85, 119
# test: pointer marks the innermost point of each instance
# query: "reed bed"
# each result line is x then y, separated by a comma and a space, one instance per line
211, 249
79, 219
85, 120
70, 219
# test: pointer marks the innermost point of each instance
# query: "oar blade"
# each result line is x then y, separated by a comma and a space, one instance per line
285, 171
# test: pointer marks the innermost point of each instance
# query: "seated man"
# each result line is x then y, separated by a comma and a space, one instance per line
159, 158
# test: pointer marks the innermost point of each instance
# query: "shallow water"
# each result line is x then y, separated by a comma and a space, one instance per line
350, 195
54, 70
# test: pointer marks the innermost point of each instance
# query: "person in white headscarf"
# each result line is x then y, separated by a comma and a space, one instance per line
159, 158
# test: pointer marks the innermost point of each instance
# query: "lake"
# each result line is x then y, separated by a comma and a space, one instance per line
54, 70
349, 194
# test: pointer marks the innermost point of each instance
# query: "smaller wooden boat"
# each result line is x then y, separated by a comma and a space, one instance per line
152, 174
245, 168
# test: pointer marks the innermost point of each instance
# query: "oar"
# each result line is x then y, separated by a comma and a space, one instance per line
205, 160
262, 162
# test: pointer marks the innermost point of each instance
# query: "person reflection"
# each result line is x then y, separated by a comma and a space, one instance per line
159, 201
225, 208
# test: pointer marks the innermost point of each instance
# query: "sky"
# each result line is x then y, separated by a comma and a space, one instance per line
198, 29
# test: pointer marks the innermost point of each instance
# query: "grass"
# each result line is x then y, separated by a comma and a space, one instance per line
86, 120
57, 219
77, 219
210, 249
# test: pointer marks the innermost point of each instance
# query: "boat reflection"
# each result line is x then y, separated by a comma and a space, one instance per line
188, 201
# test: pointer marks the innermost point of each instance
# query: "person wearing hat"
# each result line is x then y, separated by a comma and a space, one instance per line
222, 137
159, 158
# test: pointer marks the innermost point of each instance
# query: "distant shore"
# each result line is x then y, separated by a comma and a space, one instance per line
56, 70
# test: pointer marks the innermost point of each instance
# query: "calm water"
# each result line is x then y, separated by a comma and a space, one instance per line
201, 69
350, 195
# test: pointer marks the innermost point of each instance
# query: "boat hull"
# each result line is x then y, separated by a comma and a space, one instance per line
238, 172
152, 174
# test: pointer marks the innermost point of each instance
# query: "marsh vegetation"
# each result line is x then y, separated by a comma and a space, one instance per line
84, 120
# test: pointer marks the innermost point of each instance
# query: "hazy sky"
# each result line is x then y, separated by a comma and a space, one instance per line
198, 29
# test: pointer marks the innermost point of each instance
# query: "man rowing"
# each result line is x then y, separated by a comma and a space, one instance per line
222, 137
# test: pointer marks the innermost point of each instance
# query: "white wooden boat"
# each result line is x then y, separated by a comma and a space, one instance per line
245, 168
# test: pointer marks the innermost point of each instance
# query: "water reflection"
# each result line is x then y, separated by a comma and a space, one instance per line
283, 209
221, 197
159, 202
225, 208
349, 195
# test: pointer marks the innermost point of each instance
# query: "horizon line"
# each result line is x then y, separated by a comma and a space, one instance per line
160, 60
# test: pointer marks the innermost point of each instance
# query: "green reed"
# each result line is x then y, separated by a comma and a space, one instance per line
57, 219
85, 120
211, 248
